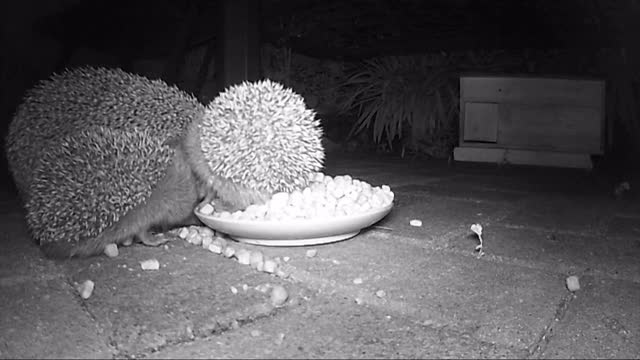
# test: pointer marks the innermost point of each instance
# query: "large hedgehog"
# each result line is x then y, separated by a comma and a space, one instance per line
101, 156
97, 157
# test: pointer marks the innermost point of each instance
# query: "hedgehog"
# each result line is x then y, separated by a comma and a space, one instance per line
123, 184
87, 96
97, 157
254, 139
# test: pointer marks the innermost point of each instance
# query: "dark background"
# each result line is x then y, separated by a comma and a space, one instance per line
40, 37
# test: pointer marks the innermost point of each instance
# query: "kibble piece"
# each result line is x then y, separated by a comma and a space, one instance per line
256, 259
207, 209
243, 256
86, 289
151, 264
215, 248
263, 288
206, 232
278, 295
573, 284
229, 251
196, 239
270, 266
184, 232
111, 250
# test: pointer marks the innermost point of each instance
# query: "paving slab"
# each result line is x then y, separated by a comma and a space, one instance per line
628, 206
42, 319
459, 189
625, 226
577, 214
603, 321
393, 291
41, 315
440, 217
189, 296
495, 303
334, 327
21, 259
571, 254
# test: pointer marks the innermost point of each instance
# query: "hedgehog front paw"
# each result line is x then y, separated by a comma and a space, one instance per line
153, 240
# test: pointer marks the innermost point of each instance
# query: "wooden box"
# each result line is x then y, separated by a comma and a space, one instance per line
531, 120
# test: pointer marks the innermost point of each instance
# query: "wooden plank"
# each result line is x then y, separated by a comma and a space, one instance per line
522, 157
526, 90
551, 127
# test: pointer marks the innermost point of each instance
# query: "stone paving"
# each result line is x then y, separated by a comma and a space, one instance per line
393, 291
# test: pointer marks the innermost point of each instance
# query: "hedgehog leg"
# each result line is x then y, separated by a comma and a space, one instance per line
170, 205
149, 239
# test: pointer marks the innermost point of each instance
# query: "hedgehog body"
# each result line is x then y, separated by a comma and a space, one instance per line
85, 97
255, 139
97, 157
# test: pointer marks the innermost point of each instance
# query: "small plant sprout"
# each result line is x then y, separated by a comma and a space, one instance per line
477, 228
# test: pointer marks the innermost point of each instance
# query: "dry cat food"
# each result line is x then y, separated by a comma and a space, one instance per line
325, 197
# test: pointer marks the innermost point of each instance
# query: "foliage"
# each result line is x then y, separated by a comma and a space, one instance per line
405, 97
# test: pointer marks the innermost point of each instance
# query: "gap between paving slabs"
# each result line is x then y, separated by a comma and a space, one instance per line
336, 327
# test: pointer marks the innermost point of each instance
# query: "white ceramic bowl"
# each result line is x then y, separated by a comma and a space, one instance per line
296, 232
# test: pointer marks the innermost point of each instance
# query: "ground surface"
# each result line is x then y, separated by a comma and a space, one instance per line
539, 227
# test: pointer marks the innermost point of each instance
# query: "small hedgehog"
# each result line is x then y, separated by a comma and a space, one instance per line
255, 139
85, 97
103, 186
